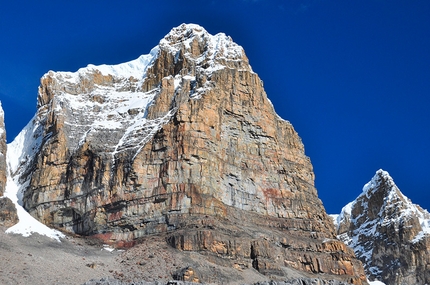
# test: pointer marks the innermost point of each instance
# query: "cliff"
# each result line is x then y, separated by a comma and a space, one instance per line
8, 213
183, 143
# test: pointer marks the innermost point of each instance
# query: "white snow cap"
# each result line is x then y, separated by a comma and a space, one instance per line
134, 68
218, 45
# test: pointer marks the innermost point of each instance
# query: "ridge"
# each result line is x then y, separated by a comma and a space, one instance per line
380, 224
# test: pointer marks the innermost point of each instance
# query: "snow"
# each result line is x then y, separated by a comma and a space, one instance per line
27, 225
1, 111
19, 154
108, 248
335, 217
1, 116
135, 68
26, 144
376, 282
218, 47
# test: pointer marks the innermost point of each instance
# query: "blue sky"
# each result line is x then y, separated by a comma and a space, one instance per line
353, 77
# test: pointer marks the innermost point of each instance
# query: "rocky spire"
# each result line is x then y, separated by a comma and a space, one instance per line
389, 233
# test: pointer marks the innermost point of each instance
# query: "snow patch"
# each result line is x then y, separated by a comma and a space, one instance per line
108, 248
27, 225
335, 217
135, 68
20, 152
376, 282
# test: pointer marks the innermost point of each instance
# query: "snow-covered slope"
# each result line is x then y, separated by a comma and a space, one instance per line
380, 224
19, 154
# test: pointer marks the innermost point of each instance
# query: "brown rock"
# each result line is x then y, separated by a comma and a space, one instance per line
8, 214
187, 274
208, 162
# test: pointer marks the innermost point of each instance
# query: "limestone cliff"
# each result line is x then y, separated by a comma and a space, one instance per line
181, 142
389, 233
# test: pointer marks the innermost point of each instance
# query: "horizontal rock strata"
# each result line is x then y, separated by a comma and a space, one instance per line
182, 141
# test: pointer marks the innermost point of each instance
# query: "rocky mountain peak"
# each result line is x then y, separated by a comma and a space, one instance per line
182, 143
380, 225
209, 52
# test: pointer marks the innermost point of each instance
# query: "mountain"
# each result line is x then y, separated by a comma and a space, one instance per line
183, 144
388, 233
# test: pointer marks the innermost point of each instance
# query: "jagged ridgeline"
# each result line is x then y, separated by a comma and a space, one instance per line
389, 234
182, 142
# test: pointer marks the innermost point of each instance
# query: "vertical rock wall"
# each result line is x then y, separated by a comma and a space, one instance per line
207, 161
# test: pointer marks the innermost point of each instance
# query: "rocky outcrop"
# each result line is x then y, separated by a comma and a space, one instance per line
3, 169
182, 141
389, 233
8, 213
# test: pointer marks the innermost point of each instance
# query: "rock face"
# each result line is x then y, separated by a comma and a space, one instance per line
182, 142
3, 169
8, 213
388, 233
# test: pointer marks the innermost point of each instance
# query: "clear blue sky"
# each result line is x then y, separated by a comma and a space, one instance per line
353, 77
